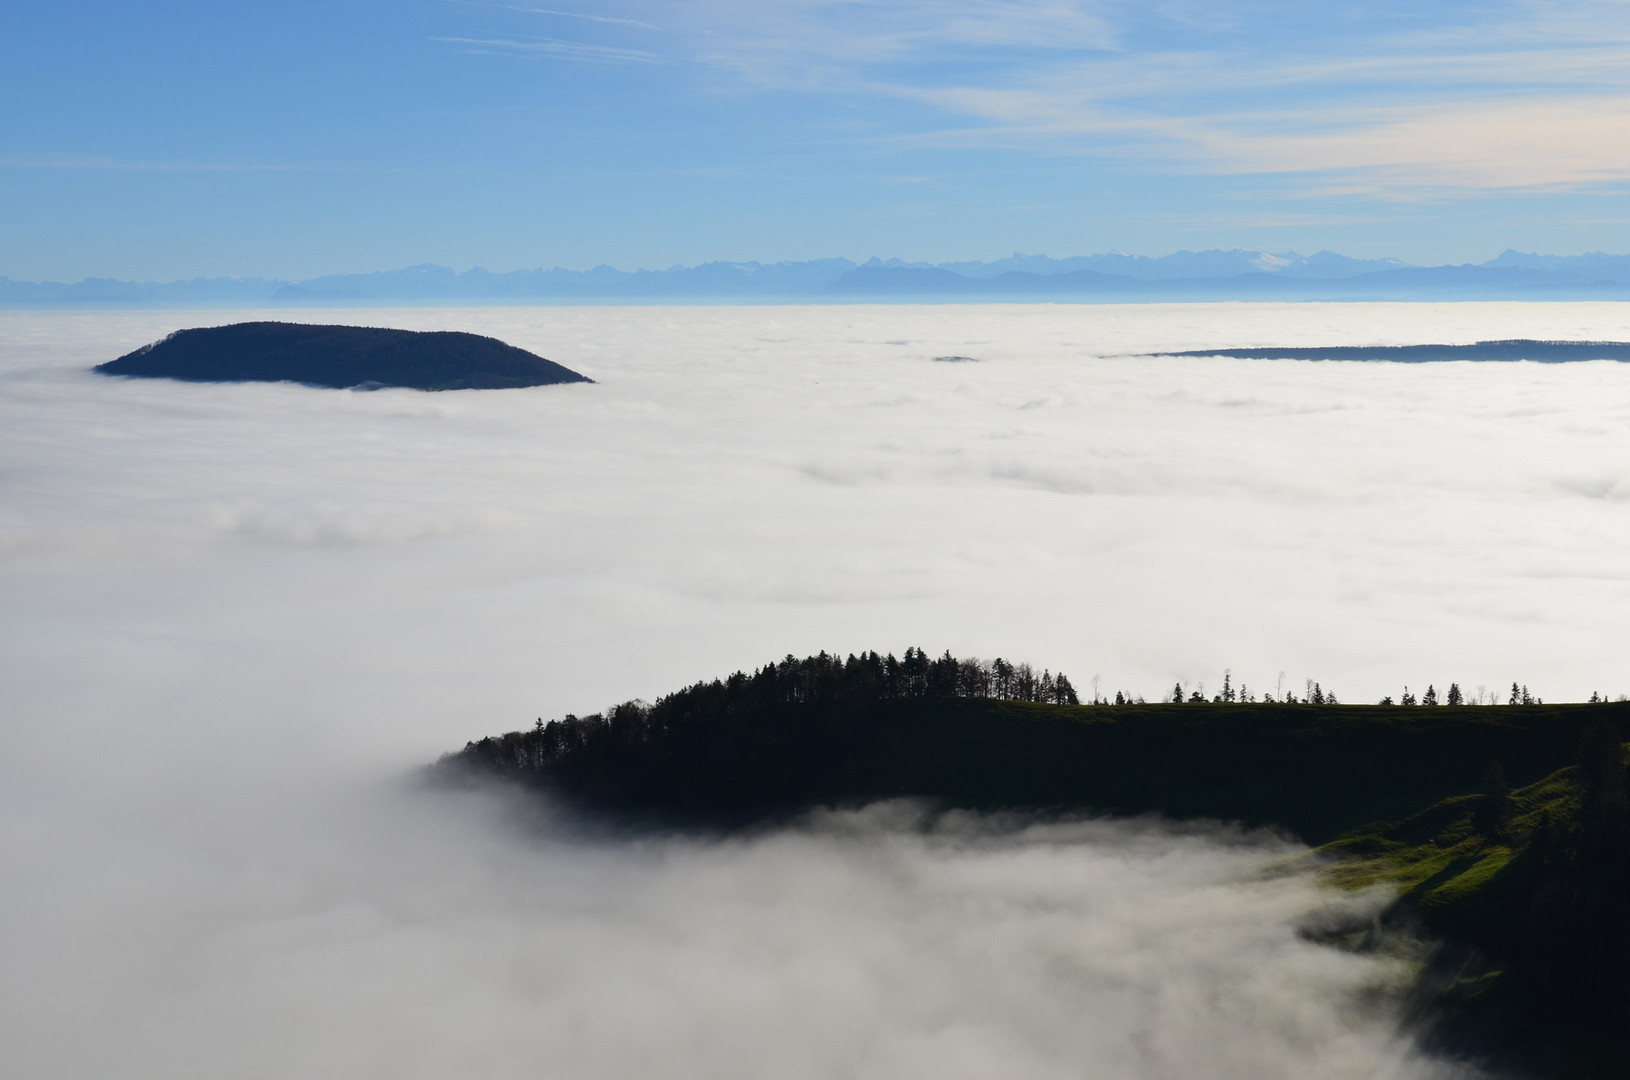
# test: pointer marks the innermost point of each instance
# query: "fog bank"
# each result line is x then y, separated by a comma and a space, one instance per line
389, 935
744, 483
233, 615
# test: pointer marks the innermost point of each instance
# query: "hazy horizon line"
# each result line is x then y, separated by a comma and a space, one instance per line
872, 260
1232, 274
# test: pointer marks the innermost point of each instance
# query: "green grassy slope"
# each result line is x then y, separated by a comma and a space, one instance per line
1533, 904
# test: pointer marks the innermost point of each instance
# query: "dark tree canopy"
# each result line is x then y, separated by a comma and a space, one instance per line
340, 356
790, 734
828, 729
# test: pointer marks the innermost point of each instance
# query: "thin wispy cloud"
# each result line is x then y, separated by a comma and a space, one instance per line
1580, 66
911, 31
1522, 145
555, 48
583, 15
1523, 98
611, 20
93, 162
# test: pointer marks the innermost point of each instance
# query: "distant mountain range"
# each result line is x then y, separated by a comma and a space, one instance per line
1186, 275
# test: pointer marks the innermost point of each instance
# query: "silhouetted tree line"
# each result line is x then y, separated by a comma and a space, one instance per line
775, 735
711, 721
825, 728
1242, 695
1520, 695
1316, 694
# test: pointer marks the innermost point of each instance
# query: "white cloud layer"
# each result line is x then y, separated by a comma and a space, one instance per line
389, 935
230, 610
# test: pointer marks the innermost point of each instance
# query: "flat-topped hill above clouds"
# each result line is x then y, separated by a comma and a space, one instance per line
340, 356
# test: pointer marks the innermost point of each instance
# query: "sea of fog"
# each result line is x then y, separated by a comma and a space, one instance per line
232, 618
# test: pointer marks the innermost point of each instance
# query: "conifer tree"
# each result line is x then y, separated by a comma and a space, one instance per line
1001, 674
1063, 691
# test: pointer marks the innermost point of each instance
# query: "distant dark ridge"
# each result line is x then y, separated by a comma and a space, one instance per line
1542, 352
340, 356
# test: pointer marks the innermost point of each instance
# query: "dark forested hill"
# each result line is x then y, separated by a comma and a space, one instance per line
826, 730
1506, 829
340, 356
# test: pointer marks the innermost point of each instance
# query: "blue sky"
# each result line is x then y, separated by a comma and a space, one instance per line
163, 140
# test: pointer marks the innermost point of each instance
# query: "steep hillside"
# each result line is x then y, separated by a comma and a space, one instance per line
1506, 829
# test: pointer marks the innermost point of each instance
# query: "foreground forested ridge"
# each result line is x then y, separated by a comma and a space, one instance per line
831, 729
777, 739
1506, 829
